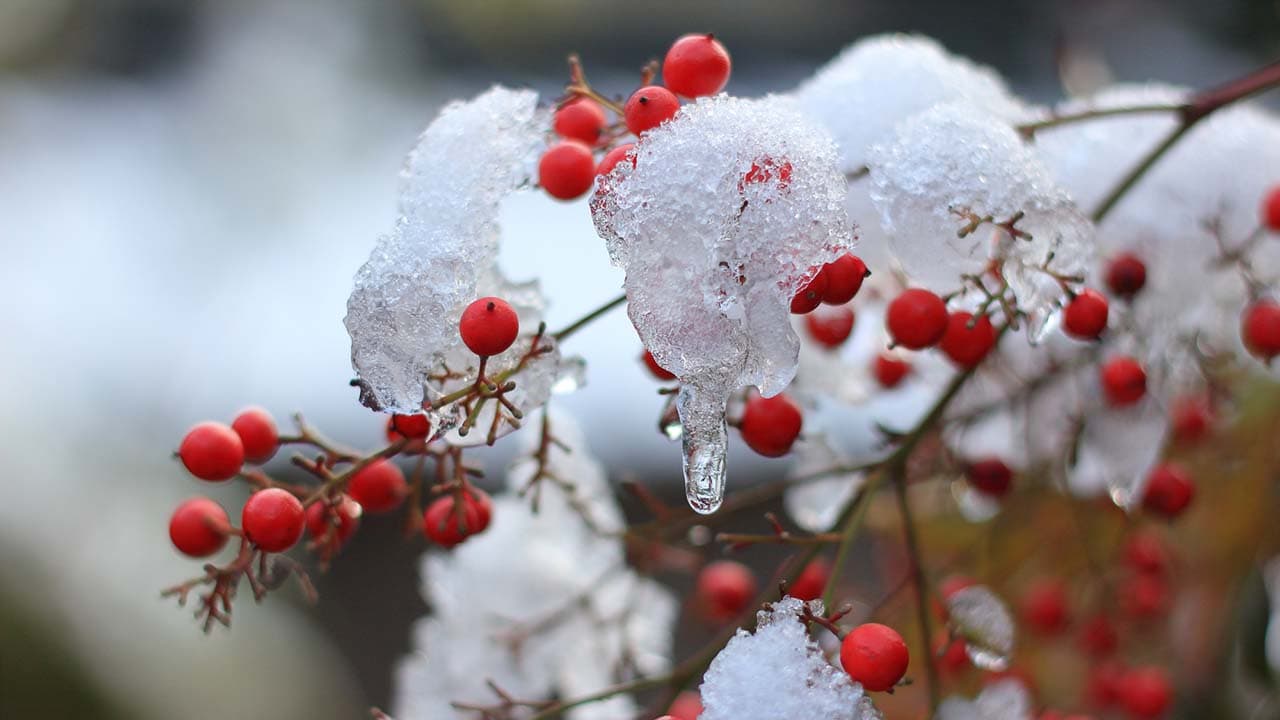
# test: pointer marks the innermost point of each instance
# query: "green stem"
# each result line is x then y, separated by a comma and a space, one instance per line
899, 476
589, 317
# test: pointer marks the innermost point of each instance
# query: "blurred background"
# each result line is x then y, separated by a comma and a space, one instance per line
186, 189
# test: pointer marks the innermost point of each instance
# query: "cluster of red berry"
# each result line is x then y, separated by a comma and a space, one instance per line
276, 515
872, 654
695, 66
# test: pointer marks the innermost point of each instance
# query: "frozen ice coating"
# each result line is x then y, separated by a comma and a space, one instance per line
779, 672
981, 618
1116, 450
731, 208
944, 170
490, 598
1216, 174
404, 309
872, 85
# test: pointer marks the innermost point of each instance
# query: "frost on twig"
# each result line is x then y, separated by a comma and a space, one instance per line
542, 605
779, 672
959, 191
730, 209
403, 312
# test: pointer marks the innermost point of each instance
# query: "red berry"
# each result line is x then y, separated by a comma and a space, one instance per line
1124, 382
199, 527
990, 476
1271, 209
615, 156
1260, 328
378, 487
1085, 317
415, 446
1104, 684
830, 327
696, 65
954, 584
273, 519
724, 589
1192, 418
480, 501
767, 169
343, 518
875, 656
257, 433
1145, 692
917, 319
1098, 637
686, 706
1146, 553
657, 370
649, 107
489, 326
951, 654
442, 525
1126, 275
890, 370
1169, 490
771, 425
1144, 597
414, 427
1044, 607
567, 170
212, 451
812, 580
844, 279
810, 296
967, 341
580, 119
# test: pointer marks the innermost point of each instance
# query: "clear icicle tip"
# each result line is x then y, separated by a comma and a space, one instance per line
705, 440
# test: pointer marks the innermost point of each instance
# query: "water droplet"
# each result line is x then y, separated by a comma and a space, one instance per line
669, 422
705, 439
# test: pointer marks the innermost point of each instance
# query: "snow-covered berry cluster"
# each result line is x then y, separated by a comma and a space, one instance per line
1041, 312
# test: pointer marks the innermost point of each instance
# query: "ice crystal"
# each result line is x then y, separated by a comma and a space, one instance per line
983, 621
730, 209
779, 672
